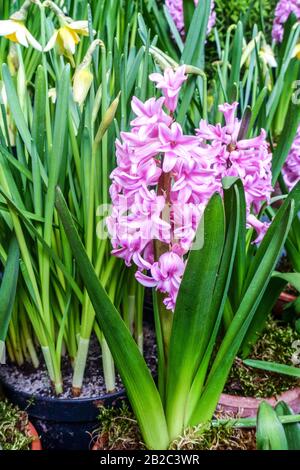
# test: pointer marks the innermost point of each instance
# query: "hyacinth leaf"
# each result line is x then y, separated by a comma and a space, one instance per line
294, 196
136, 377
286, 140
258, 323
191, 317
8, 288
233, 195
270, 433
243, 317
274, 367
292, 430
291, 278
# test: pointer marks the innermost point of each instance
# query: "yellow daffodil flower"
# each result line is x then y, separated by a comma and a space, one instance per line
15, 30
68, 35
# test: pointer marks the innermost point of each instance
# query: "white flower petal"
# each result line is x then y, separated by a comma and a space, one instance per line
68, 40
21, 37
79, 26
33, 42
51, 42
8, 27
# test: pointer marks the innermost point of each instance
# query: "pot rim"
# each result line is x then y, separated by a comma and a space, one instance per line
239, 401
66, 401
36, 443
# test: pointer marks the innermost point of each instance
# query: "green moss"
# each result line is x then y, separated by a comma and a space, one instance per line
13, 426
274, 345
223, 437
118, 430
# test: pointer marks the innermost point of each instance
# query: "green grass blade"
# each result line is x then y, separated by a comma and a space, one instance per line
274, 367
8, 288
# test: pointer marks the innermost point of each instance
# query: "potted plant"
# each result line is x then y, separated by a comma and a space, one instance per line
16, 432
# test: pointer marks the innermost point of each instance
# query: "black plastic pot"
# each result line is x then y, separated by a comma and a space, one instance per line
63, 423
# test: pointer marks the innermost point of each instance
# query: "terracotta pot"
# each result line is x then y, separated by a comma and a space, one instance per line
283, 299
246, 407
36, 443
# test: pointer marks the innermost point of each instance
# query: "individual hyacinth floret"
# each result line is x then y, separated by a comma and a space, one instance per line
283, 10
164, 180
291, 168
175, 8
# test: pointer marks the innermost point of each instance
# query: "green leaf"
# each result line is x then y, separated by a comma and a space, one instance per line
191, 323
270, 433
233, 197
291, 278
8, 287
258, 323
286, 139
136, 377
273, 367
237, 50
243, 317
292, 430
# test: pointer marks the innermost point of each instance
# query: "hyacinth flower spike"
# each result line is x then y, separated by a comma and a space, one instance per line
164, 180
15, 30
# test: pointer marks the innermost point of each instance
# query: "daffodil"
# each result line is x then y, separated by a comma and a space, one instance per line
15, 30
68, 35
267, 56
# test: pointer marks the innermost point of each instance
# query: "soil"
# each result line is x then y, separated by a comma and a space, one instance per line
36, 381
275, 345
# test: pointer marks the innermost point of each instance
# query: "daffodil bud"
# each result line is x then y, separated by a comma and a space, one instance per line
52, 95
83, 77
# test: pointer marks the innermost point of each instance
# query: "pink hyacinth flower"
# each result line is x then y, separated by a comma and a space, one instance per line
283, 10
291, 168
175, 8
170, 83
166, 276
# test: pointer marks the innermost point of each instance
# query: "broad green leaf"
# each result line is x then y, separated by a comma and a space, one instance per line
291, 278
191, 323
243, 317
136, 377
292, 430
233, 195
270, 433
